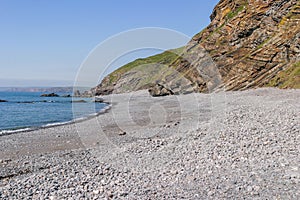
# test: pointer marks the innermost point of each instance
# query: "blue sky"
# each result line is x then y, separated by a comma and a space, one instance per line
44, 42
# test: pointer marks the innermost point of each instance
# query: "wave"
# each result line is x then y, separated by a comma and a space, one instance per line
44, 101
8, 132
32, 102
55, 124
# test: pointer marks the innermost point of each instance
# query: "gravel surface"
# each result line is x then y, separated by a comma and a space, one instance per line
241, 145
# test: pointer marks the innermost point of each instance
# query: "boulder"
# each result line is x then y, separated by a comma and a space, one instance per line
159, 90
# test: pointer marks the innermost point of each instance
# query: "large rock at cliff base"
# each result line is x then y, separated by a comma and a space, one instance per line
87, 93
160, 90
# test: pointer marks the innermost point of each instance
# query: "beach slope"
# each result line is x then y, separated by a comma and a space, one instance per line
196, 146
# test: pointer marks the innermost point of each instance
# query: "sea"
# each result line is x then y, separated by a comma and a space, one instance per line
26, 111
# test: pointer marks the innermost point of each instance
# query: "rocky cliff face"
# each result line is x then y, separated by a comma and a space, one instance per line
251, 41
248, 44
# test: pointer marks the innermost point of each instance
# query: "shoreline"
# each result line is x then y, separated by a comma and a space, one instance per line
56, 124
236, 144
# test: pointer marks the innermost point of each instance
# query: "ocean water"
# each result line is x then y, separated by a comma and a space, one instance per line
27, 110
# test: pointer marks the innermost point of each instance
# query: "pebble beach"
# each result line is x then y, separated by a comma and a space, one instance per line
237, 145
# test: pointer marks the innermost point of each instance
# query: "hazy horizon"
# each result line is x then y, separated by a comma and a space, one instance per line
44, 43
14, 83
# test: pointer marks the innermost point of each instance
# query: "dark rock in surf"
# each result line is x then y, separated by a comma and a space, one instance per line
50, 95
79, 101
98, 100
67, 96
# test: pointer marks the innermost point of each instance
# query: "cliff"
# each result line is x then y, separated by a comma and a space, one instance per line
248, 44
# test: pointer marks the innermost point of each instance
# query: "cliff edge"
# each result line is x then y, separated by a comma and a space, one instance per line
248, 44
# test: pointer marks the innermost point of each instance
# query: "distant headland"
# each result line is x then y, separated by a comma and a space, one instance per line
68, 89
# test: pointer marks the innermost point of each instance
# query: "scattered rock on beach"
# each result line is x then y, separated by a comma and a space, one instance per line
255, 155
122, 133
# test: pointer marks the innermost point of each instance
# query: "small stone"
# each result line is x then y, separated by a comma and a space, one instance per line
110, 194
101, 190
293, 168
249, 188
96, 191
122, 133
256, 188
52, 197
210, 193
177, 123
123, 194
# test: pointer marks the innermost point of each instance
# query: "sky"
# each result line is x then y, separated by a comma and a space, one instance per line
44, 43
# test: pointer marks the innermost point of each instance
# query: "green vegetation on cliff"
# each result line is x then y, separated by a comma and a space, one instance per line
139, 74
289, 78
165, 58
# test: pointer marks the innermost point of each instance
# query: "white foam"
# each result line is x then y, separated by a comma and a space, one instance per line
7, 132
56, 124
103, 110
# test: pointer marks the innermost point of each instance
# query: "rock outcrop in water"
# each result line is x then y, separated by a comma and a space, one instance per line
248, 44
50, 95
